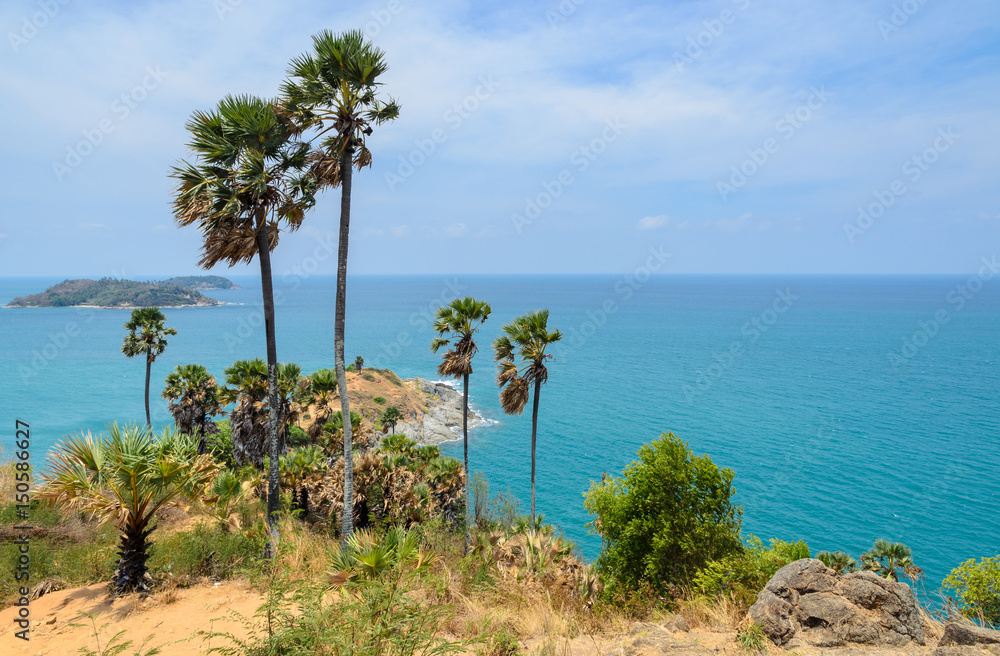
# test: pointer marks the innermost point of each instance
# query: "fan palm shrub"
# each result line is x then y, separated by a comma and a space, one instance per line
194, 397
123, 478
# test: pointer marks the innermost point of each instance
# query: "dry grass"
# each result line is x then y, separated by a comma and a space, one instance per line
721, 613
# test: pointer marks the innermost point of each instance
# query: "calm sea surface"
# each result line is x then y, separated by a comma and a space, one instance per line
850, 408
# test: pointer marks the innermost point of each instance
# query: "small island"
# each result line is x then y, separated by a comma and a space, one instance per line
201, 283
125, 294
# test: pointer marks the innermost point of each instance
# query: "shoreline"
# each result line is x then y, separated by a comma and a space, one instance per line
115, 307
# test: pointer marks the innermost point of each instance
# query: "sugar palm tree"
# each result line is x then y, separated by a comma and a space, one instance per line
526, 337
460, 320
331, 94
248, 385
320, 393
839, 561
146, 335
194, 397
890, 559
391, 417
248, 183
123, 478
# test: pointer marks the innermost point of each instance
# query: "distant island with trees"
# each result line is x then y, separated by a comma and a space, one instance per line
121, 293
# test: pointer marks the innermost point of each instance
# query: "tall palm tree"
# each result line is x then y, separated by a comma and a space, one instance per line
391, 417
249, 181
146, 335
194, 397
331, 93
322, 385
461, 319
123, 478
525, 337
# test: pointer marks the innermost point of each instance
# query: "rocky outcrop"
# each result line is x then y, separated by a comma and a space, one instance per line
808, 603
443, 420
957, 635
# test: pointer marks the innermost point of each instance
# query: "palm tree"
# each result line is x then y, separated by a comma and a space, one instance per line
248, 385
839, 561
146, 334
322, 385
331, 91
123, 478
526, 337
359, 363
248, 183
194, 397
461, 318
890, 559
391, 417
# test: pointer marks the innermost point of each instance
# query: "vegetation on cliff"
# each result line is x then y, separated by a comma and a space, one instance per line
114, 293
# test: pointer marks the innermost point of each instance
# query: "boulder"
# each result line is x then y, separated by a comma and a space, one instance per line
809, 602
957, 635
677, 624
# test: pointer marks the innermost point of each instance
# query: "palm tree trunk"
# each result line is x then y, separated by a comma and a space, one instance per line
468, 474
347, 524
149, 364
274, 408
534, 433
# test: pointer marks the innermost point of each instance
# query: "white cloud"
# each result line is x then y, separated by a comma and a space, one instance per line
653, 222
456, 229
400, 231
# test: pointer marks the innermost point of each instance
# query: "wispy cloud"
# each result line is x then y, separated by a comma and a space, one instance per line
652, 222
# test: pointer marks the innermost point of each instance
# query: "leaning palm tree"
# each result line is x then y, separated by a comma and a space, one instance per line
526, 337
249, 181
146, 335
194, 398
461, 319
331, 94
890, 559
123, 478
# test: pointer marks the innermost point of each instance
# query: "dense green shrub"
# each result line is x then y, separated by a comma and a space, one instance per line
745, 574
220, 445
666, 518
207, 551
296, 437
379, 399
977, 588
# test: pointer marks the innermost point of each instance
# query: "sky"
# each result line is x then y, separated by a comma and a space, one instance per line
581, 136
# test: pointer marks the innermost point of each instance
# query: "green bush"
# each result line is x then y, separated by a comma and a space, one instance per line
379, 399
745, 574
220, 445
977, 588
296, 437
666, 518
207, 551
89, 560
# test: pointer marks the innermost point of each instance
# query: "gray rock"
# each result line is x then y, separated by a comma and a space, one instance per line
968, 634
676, 623
443, 420
807, 601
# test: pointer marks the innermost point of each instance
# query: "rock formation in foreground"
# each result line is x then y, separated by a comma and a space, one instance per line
807, 603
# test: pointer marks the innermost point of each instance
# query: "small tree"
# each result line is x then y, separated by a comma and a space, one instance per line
359, 363
977, 586
890, 559
391, 417
194, 397
669, 514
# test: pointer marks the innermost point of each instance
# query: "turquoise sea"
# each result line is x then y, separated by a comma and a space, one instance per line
850, 408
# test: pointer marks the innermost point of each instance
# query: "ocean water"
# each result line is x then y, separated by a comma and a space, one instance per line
850, 408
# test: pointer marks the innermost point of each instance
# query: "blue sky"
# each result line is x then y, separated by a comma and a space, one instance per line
739, 136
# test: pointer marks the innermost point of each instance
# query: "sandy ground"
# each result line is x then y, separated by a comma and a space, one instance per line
177, 621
